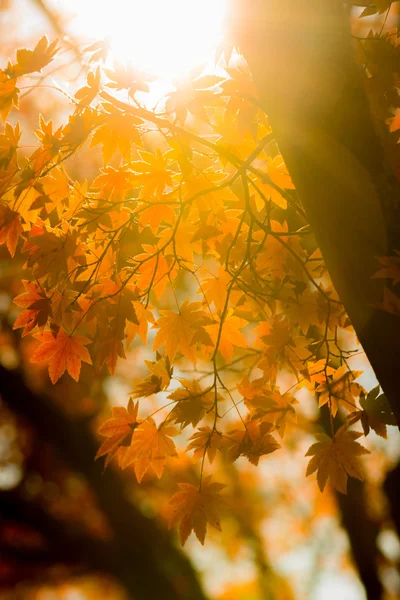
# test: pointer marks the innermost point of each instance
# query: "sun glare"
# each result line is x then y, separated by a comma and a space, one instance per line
165, 38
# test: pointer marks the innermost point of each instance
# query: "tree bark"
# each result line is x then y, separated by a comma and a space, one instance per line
301, 58
362, 532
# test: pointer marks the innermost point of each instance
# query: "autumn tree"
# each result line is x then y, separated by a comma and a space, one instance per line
222, 251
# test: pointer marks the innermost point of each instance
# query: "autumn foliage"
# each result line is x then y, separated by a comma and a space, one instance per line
188, 242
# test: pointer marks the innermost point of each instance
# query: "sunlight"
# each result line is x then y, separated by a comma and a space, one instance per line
165, 38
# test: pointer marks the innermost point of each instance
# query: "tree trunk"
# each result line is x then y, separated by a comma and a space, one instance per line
301, 58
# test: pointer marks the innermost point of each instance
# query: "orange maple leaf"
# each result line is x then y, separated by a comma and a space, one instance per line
341, 389
228, 336
87, 93
192, 403
64, 352
272, 187
114, 183
205, 440
158, 380
9, 143
177, 330
10, 228
37, 305
117, 430
253, 442
30, 61
336, 458
150, 447
117, 132
193, 508
151, 173
9, 94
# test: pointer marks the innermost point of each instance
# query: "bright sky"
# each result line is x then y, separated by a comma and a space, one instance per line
166, 38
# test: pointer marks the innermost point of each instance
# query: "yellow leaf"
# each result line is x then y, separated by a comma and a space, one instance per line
253, 441
9, 94
340, 389
117, 430
192, 403
177, 330
336, 459
193, 508
64, 352
29, 61
10, 228
150, 447
227, 335
205, 440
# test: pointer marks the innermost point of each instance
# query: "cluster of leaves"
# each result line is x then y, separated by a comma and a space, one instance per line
192, 229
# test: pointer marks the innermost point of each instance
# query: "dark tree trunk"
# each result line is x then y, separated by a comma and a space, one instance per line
362, 532
301, 58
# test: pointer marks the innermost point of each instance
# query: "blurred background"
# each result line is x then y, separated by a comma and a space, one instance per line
68, 530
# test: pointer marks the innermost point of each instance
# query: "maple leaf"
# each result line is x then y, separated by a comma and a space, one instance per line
379, 6
10, 228
153, 271
161, 373
86, 94
128, 78
177, 330
9, 143
110, 349
340, 389
150, 447
48, 139
37, 305
151, 173
317, 371
9, 94
193, 402
336, 458
303, 310
182, 246
56, 191
117, 132
376, 413
257, 393
193, 508
114, 183
205, 440
227, 335
144, 317
117, 429
215, 289
80, 126
253, 441
279, 180
53, 252
30, 61
192, 95
266, 402
158, 211
63, 352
